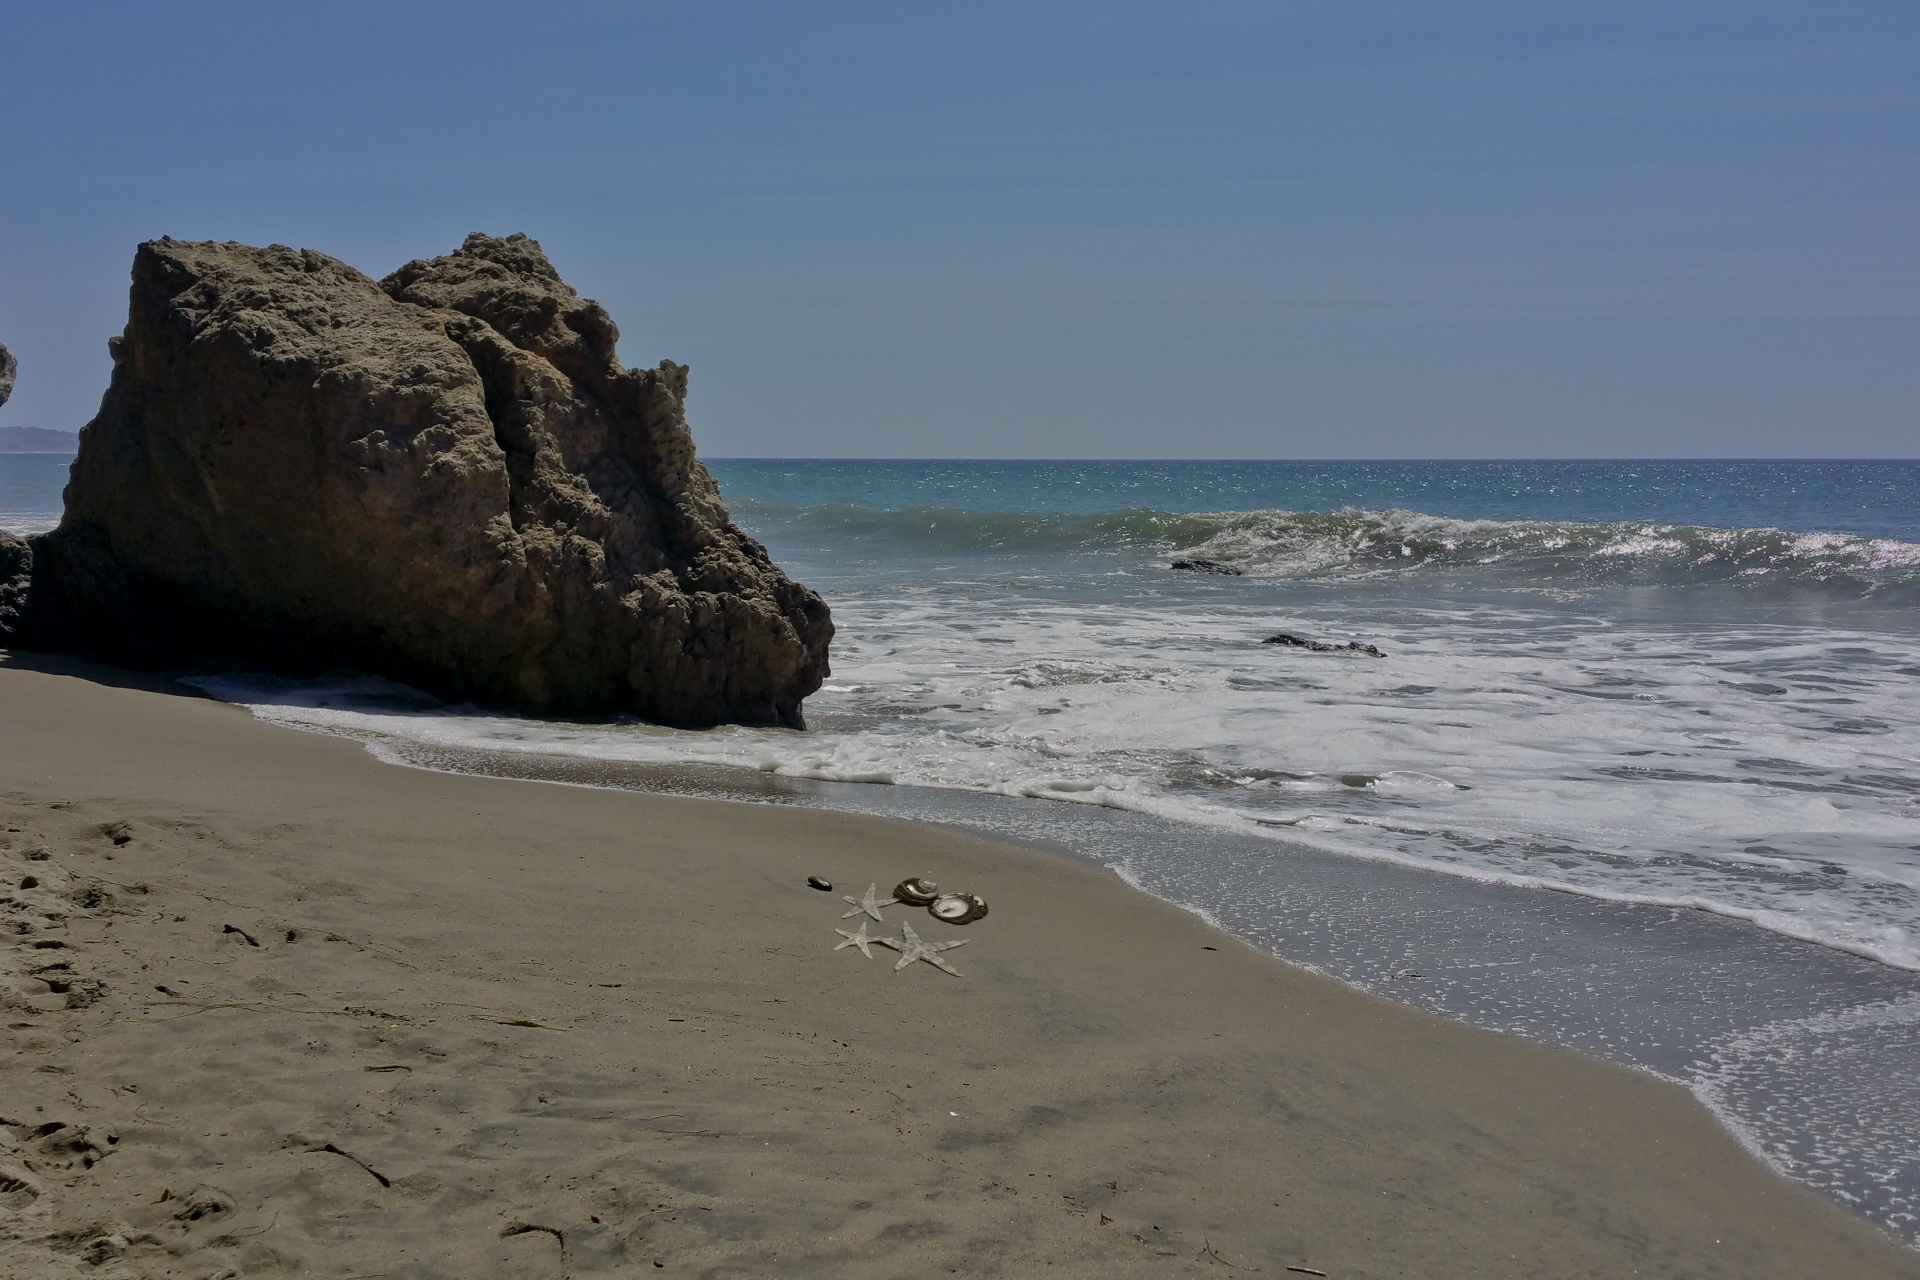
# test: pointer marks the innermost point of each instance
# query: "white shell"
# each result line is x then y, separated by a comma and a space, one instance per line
957, 908
916, 891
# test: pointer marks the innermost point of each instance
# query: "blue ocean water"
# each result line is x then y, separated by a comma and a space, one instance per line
1681, 694
30, 485
1868, 499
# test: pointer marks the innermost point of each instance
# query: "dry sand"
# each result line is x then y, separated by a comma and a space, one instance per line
499, 1028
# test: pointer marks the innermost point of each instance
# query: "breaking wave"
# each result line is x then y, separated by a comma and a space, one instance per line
1354, 543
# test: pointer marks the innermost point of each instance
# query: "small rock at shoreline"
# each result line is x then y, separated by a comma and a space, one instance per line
1209, 566
1321, 646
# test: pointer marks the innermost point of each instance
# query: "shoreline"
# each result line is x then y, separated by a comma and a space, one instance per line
1709, 1001
1185, 1101
744, 779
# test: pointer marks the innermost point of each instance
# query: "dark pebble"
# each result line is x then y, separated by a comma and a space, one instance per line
821, 883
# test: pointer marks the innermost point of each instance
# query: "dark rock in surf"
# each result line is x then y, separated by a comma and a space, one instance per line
447, 478
1209, 566
9, 368
1321, 646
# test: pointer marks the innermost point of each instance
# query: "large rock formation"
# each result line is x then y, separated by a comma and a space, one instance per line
8, 368
446, 477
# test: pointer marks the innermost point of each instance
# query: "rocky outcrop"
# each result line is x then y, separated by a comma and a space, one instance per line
1288, 640
9, 367
16, 576
446, 477
1208, 566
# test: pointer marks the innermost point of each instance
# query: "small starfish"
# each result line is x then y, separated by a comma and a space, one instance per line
868, 904
863, 940
914, 949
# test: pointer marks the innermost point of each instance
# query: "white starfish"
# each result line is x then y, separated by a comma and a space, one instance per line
914, 949
868, 904
864, 941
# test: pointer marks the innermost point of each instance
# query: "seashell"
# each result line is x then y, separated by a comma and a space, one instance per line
821, 883
957, 908
916, 891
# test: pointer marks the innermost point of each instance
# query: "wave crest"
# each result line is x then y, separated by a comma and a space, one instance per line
1313, 544
1355, 543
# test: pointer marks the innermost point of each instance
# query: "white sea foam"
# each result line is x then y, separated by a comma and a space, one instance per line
1774, 1086
26, 522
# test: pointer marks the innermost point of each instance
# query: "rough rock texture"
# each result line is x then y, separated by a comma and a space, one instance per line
1290, 641
1209, 566
446, 478
8, 368
16, 574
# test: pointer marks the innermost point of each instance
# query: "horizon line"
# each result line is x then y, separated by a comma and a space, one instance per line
742, 457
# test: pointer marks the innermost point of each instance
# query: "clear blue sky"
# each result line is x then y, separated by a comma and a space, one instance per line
1340, 229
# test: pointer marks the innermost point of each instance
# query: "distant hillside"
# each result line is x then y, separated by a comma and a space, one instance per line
38, 440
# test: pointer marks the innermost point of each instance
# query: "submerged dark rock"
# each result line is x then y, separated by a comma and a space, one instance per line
446, 478
1321, 646
1209, 566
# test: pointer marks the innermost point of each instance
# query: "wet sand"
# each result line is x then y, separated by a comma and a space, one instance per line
277, 1008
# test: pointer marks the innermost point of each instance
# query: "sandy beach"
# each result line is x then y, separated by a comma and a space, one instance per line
275, 1007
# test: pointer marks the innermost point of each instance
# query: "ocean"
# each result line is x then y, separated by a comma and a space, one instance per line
1632, 764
